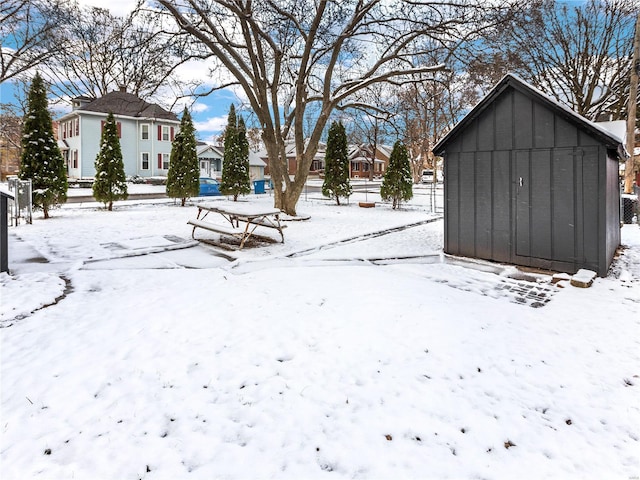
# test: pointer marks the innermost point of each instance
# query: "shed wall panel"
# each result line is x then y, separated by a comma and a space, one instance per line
486, 130
523, 115
452, 210
563, 216
612, 221
566, 133
467, 197
544, 130
504, 123
501, 206
586, 140
590, 221
483, 205
523, 202
470, 138
540, 207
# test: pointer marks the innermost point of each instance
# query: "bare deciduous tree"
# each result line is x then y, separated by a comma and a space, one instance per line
429, 109
108, 52
28, 34
290, 57
370, 122
580, 54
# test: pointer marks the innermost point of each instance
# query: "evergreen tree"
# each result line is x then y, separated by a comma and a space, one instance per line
41, 159
244, 183
184, 170
111, 182
235, 163
397, 184
336, 164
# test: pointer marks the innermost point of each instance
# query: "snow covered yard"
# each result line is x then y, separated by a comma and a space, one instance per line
341, 353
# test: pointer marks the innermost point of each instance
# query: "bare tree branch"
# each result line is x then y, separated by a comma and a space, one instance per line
29, 34
301, 59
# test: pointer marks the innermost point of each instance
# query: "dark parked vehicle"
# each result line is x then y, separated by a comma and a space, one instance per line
209, 187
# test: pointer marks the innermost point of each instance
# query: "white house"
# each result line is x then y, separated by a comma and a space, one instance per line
146, 131
210, 160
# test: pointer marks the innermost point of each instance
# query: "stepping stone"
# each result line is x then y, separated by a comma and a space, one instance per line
583, 278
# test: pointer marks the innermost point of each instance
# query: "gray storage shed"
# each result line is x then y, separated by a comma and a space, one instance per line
529, 182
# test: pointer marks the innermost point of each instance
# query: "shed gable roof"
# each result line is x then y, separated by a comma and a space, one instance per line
605, 136
123, 103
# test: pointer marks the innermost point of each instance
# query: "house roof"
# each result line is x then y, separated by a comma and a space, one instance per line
610, 138
254, 158
205, 147
128, 104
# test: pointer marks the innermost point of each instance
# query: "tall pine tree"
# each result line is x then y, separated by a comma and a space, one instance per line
336, 164
397, 184
235, 163
244, 183
41, 159
111, 182
184, 171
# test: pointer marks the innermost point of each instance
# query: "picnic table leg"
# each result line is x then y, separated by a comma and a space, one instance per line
280, 228
246, 234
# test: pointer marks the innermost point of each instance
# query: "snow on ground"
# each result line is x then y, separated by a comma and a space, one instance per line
131, 352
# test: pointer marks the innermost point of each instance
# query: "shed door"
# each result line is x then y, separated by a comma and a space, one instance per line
545, 204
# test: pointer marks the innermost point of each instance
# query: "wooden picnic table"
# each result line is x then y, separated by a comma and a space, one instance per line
243, 219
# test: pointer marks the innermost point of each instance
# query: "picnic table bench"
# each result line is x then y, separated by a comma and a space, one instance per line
242, 219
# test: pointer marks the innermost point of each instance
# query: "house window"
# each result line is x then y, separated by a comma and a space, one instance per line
356, 167
75, 159
144, 131
165, 133
77, 124
145, 161
163, 161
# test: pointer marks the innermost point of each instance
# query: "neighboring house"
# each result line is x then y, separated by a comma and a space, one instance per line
257, 166
212, 156
360, 160
530, 182
145, 130
317, 164
10, 145
210, 159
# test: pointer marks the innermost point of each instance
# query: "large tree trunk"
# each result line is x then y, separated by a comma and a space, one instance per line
287, 198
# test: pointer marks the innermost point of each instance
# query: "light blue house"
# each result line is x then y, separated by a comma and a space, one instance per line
145, 130
211, 157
